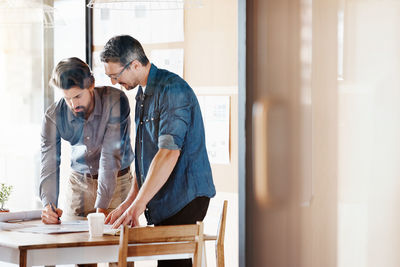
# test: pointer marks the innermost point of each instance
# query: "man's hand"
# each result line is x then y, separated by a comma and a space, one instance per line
98, 210
130, 216
116, 213
51, 217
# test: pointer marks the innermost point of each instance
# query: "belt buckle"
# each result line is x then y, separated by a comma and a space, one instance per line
123, 171
89, 175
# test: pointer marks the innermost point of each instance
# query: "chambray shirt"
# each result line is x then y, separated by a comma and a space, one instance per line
100, 145
168, 116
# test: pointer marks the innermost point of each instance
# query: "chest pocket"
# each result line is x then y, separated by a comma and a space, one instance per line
151, 123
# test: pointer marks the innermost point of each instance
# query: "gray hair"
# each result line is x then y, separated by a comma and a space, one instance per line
71, 72
123, 49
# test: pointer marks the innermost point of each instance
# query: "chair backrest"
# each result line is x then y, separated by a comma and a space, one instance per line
221, 236
161, 240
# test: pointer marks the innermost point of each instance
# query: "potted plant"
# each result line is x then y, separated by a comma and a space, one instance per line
5, 192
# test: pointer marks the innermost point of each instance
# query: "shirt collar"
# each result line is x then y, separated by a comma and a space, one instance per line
150, 82
70, 115
97, 105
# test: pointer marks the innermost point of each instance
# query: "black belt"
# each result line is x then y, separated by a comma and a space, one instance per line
95, 176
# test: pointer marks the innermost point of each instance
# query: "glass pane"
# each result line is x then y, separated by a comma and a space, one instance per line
69, 33
23, 28
69, 41
155, 27
20, 110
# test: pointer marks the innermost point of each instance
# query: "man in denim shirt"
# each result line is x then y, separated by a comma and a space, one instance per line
173, 182
96, 122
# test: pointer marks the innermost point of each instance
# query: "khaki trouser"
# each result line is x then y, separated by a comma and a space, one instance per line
82, 193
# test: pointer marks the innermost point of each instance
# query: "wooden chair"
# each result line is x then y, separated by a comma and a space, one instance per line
219, 238
161, 240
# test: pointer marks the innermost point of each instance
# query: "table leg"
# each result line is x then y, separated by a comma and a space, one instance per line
22, 258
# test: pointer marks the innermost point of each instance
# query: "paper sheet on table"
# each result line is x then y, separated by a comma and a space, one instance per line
5, 226
109, 231
20, 215
65, 227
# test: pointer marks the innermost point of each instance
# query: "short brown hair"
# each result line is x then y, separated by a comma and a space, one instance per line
71, 72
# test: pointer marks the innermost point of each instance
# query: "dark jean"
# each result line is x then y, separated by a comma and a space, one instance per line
193, 212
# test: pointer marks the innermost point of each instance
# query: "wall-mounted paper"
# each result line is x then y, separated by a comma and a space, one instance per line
148, 27
169, 59
216, 117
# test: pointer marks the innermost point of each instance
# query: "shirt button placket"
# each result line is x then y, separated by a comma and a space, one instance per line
87, 143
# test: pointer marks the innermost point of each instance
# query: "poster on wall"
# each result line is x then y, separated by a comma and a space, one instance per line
216, 117
169, 59
147, 26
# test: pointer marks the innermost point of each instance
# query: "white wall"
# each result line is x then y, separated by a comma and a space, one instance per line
369, 131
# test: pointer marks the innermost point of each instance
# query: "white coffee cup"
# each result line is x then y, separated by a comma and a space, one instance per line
96, 224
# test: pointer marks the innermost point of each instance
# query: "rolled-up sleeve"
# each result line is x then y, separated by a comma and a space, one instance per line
175, 117
116, 138
50, 160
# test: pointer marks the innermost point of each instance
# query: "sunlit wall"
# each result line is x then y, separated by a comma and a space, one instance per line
369, 135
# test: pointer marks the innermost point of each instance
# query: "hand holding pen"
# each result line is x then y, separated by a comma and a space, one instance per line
51, 214
53, 208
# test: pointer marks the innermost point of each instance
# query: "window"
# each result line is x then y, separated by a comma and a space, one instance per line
33, 38
21, 106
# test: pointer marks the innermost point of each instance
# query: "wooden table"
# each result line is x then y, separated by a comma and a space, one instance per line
27, 249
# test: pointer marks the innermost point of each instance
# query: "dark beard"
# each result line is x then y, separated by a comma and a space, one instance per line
80, 114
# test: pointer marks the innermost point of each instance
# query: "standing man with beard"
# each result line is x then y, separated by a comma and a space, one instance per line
96, 122
173, 182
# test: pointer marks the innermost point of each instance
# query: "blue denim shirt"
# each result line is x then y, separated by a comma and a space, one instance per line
168, 116
100, 145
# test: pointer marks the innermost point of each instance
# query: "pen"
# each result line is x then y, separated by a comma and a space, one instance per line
54, 209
